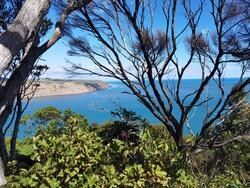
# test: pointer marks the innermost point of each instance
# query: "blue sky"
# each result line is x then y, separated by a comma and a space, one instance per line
56, 57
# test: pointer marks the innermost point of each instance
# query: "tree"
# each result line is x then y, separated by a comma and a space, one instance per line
21, 30
25, 66
27, 91
8, 11
22, 39
125, 43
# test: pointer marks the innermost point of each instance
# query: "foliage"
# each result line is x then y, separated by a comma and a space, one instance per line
126, 128
9, 10
229, 163
81, 159
55, 121
240, 116
47, 114
76, 156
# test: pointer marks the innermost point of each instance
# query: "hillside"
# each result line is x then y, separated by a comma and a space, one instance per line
56, 87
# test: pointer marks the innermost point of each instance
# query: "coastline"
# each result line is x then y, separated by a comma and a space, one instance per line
56, 87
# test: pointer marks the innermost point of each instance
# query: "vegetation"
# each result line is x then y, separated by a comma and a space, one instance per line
127, 42
126, 129
23, 24
66, 152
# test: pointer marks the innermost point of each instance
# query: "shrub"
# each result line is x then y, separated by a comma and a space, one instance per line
73, 155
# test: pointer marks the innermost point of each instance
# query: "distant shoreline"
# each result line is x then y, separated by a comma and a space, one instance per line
59, 87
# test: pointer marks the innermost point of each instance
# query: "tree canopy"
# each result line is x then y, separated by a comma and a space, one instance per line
124, 42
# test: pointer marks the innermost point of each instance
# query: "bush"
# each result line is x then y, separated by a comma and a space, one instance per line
77, 157
69, 154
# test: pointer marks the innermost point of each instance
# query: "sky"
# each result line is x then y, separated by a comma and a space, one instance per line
56, 57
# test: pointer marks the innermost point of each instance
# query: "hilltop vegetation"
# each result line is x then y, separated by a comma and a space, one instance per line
68, 152
140, 43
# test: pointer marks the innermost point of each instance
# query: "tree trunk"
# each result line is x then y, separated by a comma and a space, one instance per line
22, 30
17, 79
4, 114
180, 140
3, 180
16, 128
3, 150
178, 137
10, 91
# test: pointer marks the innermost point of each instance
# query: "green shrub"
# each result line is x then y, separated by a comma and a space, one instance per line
47, 114
69, 154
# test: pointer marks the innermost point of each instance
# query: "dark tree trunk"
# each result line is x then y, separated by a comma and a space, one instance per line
11, 90
3, 149
180, 142
4, 114
178, 136
16, 128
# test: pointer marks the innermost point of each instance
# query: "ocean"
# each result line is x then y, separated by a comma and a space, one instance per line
97, 106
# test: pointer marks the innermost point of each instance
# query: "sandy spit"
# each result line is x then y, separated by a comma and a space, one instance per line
52, 87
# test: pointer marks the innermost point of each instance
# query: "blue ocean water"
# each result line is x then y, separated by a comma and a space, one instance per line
97, 106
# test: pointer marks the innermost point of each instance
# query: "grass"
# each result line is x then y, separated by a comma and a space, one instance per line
23, 147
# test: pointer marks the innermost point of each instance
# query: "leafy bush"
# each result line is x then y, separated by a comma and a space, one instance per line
69, 154
78, 157
47, 114
54, 121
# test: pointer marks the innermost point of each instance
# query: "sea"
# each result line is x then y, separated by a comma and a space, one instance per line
97, 106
